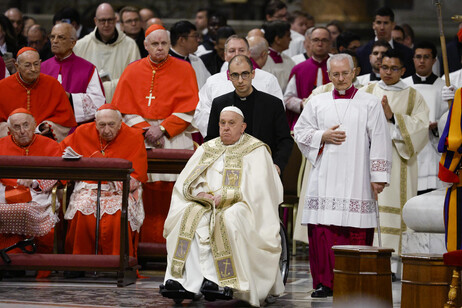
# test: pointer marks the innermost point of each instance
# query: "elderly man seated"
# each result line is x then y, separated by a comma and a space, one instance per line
25, 205
222, 229
107, 137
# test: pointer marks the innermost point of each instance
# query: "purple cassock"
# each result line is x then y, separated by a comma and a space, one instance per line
76, 72
306, 80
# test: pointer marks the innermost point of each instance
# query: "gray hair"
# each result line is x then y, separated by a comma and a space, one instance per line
256, 50
309, 31
8, 121
118, 113
340, 57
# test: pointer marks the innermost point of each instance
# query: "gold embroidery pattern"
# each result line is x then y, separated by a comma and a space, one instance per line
389, 210
189, 223
370, 88
392, 231
232, 176
402, 197
405, 134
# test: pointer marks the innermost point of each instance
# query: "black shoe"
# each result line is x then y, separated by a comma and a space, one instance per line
74, 274
14, 274
322, 291
174, 290
211, 291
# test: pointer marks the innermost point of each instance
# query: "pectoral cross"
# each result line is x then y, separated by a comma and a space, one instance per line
150, 97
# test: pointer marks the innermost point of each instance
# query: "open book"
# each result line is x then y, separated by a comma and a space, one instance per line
70, 153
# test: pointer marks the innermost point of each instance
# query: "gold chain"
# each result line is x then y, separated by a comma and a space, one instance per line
157, 67
25, 148
101, 146
27, 89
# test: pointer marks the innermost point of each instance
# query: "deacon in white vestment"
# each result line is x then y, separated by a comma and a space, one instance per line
344, 135
220, 84
222, 228
407, 115
430, 86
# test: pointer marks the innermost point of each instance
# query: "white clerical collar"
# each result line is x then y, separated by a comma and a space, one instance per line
422, 77
178, 53
400, 85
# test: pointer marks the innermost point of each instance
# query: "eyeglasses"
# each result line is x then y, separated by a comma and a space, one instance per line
106, 20
131, 21
394, 69
316, 40
337, 75
235, 76
425, 57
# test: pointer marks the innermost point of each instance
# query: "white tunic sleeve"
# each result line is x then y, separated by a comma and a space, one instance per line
202, 113
307, 133
380, 144
86, 104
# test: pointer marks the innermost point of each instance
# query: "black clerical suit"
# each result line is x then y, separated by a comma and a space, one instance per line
363, 53
266, 120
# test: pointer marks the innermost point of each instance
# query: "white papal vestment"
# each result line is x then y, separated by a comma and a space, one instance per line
248, 218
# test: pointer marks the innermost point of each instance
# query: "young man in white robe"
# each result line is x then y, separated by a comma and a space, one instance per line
407, 115
344, 135
430, 86
277, 33
222, 228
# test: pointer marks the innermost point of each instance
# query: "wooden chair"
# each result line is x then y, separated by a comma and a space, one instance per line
292, 181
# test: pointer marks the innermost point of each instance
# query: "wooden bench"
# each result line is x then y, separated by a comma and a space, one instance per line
92, 169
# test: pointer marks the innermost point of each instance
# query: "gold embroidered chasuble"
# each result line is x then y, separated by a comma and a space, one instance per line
252, 186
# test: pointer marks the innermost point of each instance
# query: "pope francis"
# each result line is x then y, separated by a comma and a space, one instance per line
222, 229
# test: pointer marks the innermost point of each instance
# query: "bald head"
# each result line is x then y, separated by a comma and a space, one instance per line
153, 21
15, 16
66, 29
63, 38
105, 21
258, 49
105, 8
255, 32
37, 37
